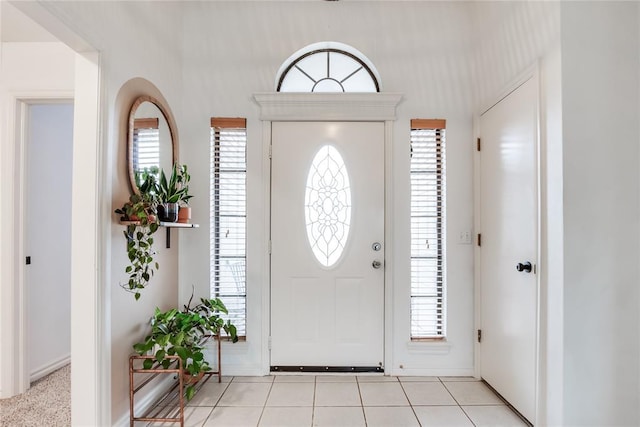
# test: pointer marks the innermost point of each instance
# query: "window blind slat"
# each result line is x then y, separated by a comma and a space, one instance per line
146, 148
427, 210
433, 124
228, 122
146, 123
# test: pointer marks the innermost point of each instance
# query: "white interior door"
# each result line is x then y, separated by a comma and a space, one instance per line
327, 230
49, 146
509, 227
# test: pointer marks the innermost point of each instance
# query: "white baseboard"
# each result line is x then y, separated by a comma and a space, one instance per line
432, 372
144, 403
241, 371
45, 370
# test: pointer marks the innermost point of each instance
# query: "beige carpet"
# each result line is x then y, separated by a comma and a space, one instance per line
46, 403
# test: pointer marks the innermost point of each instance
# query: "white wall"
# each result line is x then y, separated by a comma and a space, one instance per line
510, 37
131, 56
516, 38
28, 70
162, 291
600, 79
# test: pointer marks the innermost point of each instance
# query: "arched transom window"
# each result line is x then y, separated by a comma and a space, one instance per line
327, 67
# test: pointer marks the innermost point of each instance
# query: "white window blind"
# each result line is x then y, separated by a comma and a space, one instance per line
228, 217
428, 202
146, 144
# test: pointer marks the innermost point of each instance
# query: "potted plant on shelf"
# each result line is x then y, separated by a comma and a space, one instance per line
184, 211
139, 213
184, 333
170, 192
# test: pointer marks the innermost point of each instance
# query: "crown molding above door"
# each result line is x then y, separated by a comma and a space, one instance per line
280, 106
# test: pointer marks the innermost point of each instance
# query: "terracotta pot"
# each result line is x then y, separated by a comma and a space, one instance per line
150, 218
184, 214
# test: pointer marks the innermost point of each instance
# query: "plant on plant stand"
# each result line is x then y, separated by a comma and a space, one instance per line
184, 333
140, 212
170, 192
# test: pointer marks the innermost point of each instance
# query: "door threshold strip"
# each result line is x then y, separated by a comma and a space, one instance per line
317, 369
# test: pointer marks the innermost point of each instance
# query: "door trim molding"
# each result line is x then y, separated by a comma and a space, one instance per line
366, 107
14, 369
342, 107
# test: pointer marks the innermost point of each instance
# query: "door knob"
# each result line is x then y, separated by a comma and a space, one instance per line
376, 264
526, 267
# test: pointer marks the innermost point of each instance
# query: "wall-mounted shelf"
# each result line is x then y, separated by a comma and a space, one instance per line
170, 225
167, 225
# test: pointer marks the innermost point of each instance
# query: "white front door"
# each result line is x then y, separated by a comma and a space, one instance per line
509, 227
327, 231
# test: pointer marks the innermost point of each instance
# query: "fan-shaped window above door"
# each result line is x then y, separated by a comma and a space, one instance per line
327, 67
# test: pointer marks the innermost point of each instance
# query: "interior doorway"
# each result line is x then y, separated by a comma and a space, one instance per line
48, 144
327, 252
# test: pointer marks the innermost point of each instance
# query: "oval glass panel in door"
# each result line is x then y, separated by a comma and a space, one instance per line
328, 205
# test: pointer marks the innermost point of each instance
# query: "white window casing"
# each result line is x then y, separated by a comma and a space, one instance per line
228, 217
428, 219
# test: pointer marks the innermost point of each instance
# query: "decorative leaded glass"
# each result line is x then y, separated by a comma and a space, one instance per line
328, 205
328, 70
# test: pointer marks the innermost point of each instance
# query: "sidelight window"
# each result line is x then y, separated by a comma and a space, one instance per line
228, 217
428, 203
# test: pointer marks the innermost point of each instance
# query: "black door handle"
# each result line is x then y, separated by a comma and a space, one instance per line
526, 267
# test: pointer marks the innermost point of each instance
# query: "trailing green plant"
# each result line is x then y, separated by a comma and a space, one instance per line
184, 333
140, 212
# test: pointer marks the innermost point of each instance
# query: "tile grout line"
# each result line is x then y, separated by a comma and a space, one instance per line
364, 414
215, 405
219, 399
458, 403
410, 404
467, 415
449, 391
264, 406
313, 402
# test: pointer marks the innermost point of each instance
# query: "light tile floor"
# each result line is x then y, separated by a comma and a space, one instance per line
346, 400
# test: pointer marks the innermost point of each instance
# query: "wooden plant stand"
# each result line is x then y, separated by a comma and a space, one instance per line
169, 406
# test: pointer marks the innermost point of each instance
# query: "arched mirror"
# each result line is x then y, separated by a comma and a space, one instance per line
152, 139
